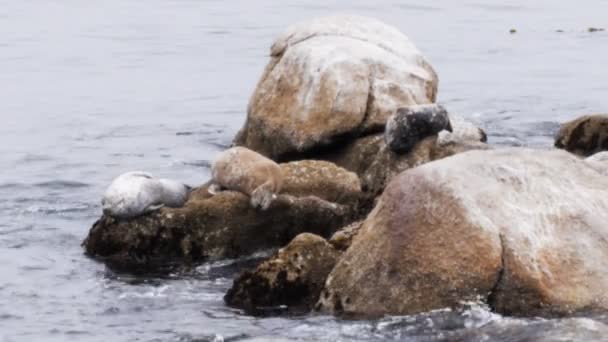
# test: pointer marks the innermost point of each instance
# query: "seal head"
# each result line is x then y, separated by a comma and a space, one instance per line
409, 125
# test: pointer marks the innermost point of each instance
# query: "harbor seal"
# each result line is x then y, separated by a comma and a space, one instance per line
584, 136
409, 125
135, 193
249, 172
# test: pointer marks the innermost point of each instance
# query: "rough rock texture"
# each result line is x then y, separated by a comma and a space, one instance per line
343, 238
584, 136
599, 161
523, 229
225, 225
293, 277
332, 78
375, 164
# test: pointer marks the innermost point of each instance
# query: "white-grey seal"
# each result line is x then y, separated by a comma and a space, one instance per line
409, 125
135, 193
249, 172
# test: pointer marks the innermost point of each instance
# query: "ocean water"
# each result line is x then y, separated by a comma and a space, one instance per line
91, 89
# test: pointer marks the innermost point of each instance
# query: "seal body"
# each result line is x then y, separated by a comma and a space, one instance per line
409, 125
584, 136
246, 171
135, 193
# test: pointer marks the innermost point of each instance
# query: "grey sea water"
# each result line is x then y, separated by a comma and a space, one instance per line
91, 89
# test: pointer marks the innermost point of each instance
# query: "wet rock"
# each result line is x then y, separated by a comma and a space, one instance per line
584, 136
292, 278
375, 164
342, 239
520, 229
332, 79
225, 225
409, 125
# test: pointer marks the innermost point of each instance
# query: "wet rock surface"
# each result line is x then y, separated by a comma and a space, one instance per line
584, 136
522, 230
375, 164
291, 280
225, 225
332, 79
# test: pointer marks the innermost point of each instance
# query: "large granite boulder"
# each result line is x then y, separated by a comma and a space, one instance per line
524, 230
226, 225
330, 79
584, 136
291, 279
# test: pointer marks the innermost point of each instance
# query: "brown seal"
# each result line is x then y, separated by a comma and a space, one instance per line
249, 172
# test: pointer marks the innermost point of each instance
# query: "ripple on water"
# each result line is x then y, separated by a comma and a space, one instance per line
61, 184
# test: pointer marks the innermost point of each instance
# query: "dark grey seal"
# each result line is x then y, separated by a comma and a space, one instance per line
409, 125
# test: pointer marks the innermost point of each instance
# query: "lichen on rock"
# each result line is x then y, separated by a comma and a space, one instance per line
523, 230
332, 78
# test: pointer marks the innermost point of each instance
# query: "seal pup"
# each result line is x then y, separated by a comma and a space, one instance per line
409, 125
135, 193
249, 172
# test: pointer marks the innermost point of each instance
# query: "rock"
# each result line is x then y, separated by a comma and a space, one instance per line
584, 136
523, 230
375, 164
293, 277
463, 131
330, 79
599, 161
343, 238
409, 125
322, 179
225, 225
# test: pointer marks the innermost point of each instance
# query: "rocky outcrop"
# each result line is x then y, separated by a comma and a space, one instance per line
371, 159
343, 238
331, 79
225, 225
521, 229
584, 136
291, 279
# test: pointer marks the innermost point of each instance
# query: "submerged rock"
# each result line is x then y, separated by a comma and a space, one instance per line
333, 78
584, 136
292, 278
225, 225
523, 230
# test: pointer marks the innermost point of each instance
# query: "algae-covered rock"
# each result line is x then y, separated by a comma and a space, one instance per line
225, 225
292, 278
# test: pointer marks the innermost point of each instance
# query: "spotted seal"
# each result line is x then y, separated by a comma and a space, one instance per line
409, 125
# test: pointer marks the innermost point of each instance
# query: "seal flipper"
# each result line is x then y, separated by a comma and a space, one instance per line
263, 196
153, 207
